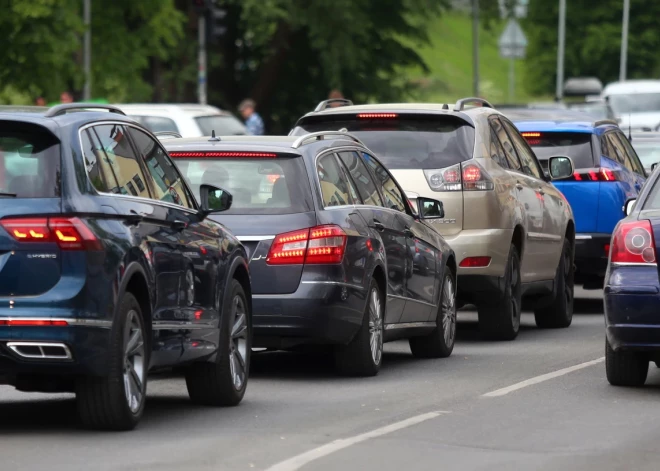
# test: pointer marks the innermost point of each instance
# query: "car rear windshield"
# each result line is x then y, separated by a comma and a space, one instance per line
406, 142
223, 125
29, 161
258, 186
575, 145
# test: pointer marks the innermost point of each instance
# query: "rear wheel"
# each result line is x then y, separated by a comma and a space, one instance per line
224, 381
440, 342
559, 313
625, 367
116, 402
500, 320
364, 354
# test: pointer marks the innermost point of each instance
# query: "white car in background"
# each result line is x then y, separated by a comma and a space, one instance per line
636, 103
188, 120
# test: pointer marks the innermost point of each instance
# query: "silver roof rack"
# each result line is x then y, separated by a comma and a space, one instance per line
605, 121
460, 104
58, 110
318, 136
325, 103
167, 134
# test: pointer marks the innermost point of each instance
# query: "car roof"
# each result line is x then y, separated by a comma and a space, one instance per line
164, 109
557, 121
632, 87
38, 115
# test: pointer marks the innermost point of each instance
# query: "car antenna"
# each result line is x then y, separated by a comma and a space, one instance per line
213, 138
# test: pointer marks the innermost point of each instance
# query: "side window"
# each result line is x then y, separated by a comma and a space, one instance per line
618, 153
606, 148
335, 188
361, 177
530, 165
117, 163
631, 155
391, 192
98, 170
166, 180
496, 150
509, 151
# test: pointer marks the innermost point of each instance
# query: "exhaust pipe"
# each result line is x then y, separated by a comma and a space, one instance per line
41, 350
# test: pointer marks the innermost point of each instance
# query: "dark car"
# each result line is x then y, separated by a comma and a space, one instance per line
331, 238
632, 291
109, 268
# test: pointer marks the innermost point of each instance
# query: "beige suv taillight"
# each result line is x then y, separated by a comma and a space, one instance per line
467, 176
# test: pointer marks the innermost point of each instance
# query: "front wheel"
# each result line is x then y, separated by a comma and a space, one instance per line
559, 313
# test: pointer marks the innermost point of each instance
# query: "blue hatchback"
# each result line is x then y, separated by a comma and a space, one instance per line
110, 268
607, 173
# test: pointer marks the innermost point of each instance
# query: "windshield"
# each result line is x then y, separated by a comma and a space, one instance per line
648, 152
575, 145
223, 125
635, 103
29, 161
258, 186
407, 143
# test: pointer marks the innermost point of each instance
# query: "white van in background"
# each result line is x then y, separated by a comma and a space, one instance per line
636, 103
188, 120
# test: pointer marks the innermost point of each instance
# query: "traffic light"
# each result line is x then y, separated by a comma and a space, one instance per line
215, 22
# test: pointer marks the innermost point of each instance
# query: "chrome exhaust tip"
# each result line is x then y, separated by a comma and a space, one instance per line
40, 350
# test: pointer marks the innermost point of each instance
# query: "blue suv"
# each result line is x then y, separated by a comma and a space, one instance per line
607, 173
110, 268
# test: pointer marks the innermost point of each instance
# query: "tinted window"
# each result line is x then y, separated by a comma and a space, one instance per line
496, 151
630, 153
29, 161
167, 182
96, 164
116, 161
576, 145
362, 179
414, 142
258, 186
509, 151
157, 123
223, 125
335, 188
527, 159
393, 197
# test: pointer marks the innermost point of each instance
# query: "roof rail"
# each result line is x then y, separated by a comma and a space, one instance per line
324, 104
460, 104
605, 121
160, 134
320, 135
58, 110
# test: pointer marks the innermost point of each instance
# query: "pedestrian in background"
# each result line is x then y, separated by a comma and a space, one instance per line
66, 97
334, 95
40, 101
253, 121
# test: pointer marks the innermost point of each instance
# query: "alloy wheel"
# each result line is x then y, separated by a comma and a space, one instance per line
134, 361
238, 343
449, 311
375, 327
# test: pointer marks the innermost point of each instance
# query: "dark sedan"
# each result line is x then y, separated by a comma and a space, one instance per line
333, 245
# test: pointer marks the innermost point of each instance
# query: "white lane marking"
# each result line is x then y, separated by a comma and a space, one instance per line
540, 379
297, 462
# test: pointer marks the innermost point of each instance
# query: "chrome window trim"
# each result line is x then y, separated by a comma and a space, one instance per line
408, 325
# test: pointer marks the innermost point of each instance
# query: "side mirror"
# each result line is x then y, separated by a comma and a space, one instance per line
428, 208
629, 206
560, 167
214, 199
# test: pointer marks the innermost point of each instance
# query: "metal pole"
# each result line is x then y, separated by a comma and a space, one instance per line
201, 74
87, 49
624, 41
559, 93
475, 47
512, 79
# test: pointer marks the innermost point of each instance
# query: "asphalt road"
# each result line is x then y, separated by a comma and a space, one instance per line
421, 415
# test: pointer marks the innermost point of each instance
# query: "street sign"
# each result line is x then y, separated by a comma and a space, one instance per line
519, 9
512, 42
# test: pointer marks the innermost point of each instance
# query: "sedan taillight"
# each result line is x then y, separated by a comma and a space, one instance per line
316, 245
633, 243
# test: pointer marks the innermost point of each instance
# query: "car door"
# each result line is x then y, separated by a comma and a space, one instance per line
421, 284
551, 237
391, 231
113, 167
199, 243
529, 202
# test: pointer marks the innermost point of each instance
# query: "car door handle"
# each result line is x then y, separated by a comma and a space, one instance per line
408, 232
519, 186
134, 217
541, 192
179, 225
379, 225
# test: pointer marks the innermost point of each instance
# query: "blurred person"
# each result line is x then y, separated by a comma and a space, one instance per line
40, 101
253, 121
66, 97
335, 95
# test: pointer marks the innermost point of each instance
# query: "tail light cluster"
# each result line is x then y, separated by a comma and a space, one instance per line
466, 176
68, 233
633, 242
596, 175
315, 245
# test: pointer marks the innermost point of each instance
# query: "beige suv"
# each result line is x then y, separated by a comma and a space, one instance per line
512, 231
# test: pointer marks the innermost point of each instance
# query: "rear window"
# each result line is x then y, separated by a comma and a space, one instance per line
157, 123
29, 161
258, 186
406, 142
223, 125
575, 145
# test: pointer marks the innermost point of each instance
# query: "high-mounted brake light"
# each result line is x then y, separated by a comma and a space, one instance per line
633, 243
377, 115
531, 134
222, 154
316, 245
68, 233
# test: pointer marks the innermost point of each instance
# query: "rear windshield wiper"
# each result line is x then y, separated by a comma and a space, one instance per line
7, 195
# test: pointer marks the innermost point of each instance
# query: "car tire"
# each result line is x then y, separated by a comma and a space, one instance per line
223, 382
559, 313
363, 355
625, 367
500, 320
440, 342
103, 402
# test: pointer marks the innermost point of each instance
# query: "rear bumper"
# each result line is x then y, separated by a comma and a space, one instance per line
493, 243
590, 254
317, 313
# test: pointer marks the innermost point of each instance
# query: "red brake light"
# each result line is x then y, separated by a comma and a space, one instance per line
317, 245
451, 176
474, 262
68, 233
633, 242
471, 173
596, 175
225, 154
377, 115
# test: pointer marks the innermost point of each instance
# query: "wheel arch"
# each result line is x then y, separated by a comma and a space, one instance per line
518, 239
134, 281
